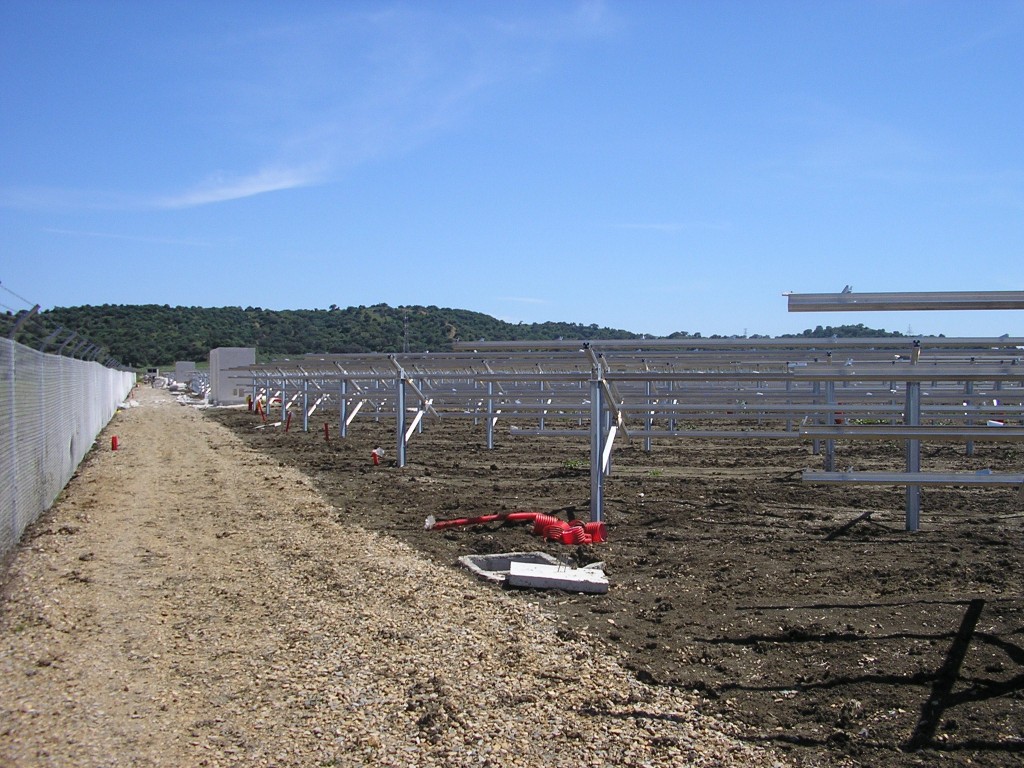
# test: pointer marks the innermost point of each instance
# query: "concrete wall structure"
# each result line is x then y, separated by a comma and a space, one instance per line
227, 388
183, 371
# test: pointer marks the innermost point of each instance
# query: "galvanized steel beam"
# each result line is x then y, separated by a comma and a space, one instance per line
849, 301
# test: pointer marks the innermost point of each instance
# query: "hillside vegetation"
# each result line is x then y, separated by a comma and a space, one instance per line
157, 335
146, 335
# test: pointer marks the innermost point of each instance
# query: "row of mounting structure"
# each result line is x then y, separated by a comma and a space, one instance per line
821, 390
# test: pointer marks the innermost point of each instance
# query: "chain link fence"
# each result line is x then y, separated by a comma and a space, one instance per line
51, 410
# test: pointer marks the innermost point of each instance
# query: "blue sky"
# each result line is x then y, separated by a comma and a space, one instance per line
652, 166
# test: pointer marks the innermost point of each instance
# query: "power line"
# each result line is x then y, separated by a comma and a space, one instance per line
21, 298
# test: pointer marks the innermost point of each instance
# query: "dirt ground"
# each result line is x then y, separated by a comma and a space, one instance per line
804, 613
191, 602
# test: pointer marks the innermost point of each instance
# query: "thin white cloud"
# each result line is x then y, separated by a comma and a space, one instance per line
344, 89
219, 189
307, 100
54, 198
590, 18
131, 238
216, 189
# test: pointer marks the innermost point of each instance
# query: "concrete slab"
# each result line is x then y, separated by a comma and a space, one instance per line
545, 576
496, 567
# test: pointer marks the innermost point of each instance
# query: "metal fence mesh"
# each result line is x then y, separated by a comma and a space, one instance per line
51, 409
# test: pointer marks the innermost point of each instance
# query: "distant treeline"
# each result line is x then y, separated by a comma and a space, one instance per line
141, 335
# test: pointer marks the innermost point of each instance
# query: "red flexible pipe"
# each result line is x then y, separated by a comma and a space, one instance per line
545, 526
465, 521
575, 534
598, 531
512, 517
541, 523
556, 530
521, 517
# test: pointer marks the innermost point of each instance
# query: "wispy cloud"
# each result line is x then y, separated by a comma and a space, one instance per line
590, 18
285, 101
131, 238
331, 93
56, 198
219, 189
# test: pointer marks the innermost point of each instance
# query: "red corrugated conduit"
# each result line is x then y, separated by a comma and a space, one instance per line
545, 526
439, 524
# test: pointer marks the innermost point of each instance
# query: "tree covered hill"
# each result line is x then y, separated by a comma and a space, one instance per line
151, 335
141, 335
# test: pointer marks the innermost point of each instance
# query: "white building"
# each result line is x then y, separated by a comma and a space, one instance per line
229, 387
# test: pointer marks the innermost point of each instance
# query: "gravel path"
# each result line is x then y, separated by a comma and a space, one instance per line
189, 603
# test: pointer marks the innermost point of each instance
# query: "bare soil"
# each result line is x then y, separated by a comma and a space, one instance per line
192, 602
805, 613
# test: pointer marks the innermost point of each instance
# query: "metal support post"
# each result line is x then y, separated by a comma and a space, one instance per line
649, 420
606, 430
400, 417
67, 341
343, 408
305, 404
912, 418
22, 319
596, 449
490, 415
423, 407
830, 444
816, 391
540, 420
51, 338
968, 402
671, 396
